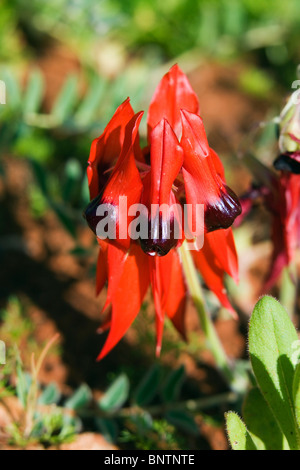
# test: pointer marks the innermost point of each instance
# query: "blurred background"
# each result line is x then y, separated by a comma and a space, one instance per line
67, 65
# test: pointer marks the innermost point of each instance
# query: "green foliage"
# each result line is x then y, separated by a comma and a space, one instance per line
80, 399
117, 394
148, 387
157, 30
296, 393
153, 406
183, 421
239, 436
53, 429
172, 386
271, 411
50, 395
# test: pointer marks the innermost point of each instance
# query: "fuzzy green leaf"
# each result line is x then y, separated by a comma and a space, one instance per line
271, 337
261, 422
239, 436
296, 393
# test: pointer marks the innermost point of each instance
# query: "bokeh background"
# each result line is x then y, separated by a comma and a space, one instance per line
67, 65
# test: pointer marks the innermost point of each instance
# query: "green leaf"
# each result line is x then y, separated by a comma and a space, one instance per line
271, 336
34, 93
173, 384
13, 90
183, 421
66, 100
41, 177
296, 393
148, 387
261, 422
80, 398
51, 395
108, 428
73, 177
91, 103
63, 214
239, 436
116, 395
24, 381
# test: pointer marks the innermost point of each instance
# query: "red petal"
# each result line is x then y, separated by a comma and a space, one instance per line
202, 176
173, 93
222, 244
169, 293
124, 182
166, 162
209, 264
157, 290
107, 148
175, 293
290, 184
127, 287
286, 225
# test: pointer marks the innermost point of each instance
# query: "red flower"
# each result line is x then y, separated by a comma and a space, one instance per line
280, 194
177, 166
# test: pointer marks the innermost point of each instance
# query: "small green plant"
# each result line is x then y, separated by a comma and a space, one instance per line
41, 420
271, 409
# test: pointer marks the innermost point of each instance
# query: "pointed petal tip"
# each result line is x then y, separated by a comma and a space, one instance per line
158, 351
232, 312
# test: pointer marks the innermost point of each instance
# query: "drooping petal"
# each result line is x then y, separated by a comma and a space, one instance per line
203, 183
173, 93
157, 291
222, 245
169, 293
212, 263
285, 234
128, 283
290, 184
123, 189
107, 148
165, 215
175, 292
280, 256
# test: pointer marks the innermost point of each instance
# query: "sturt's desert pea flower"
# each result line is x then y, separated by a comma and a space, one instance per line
289, 139
280, 191
176, 168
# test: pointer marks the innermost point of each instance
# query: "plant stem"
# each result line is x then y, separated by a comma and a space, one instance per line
288, 289
195, 290
199, 404
32, 398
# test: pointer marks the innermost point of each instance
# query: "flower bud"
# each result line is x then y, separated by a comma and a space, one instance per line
289, 139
